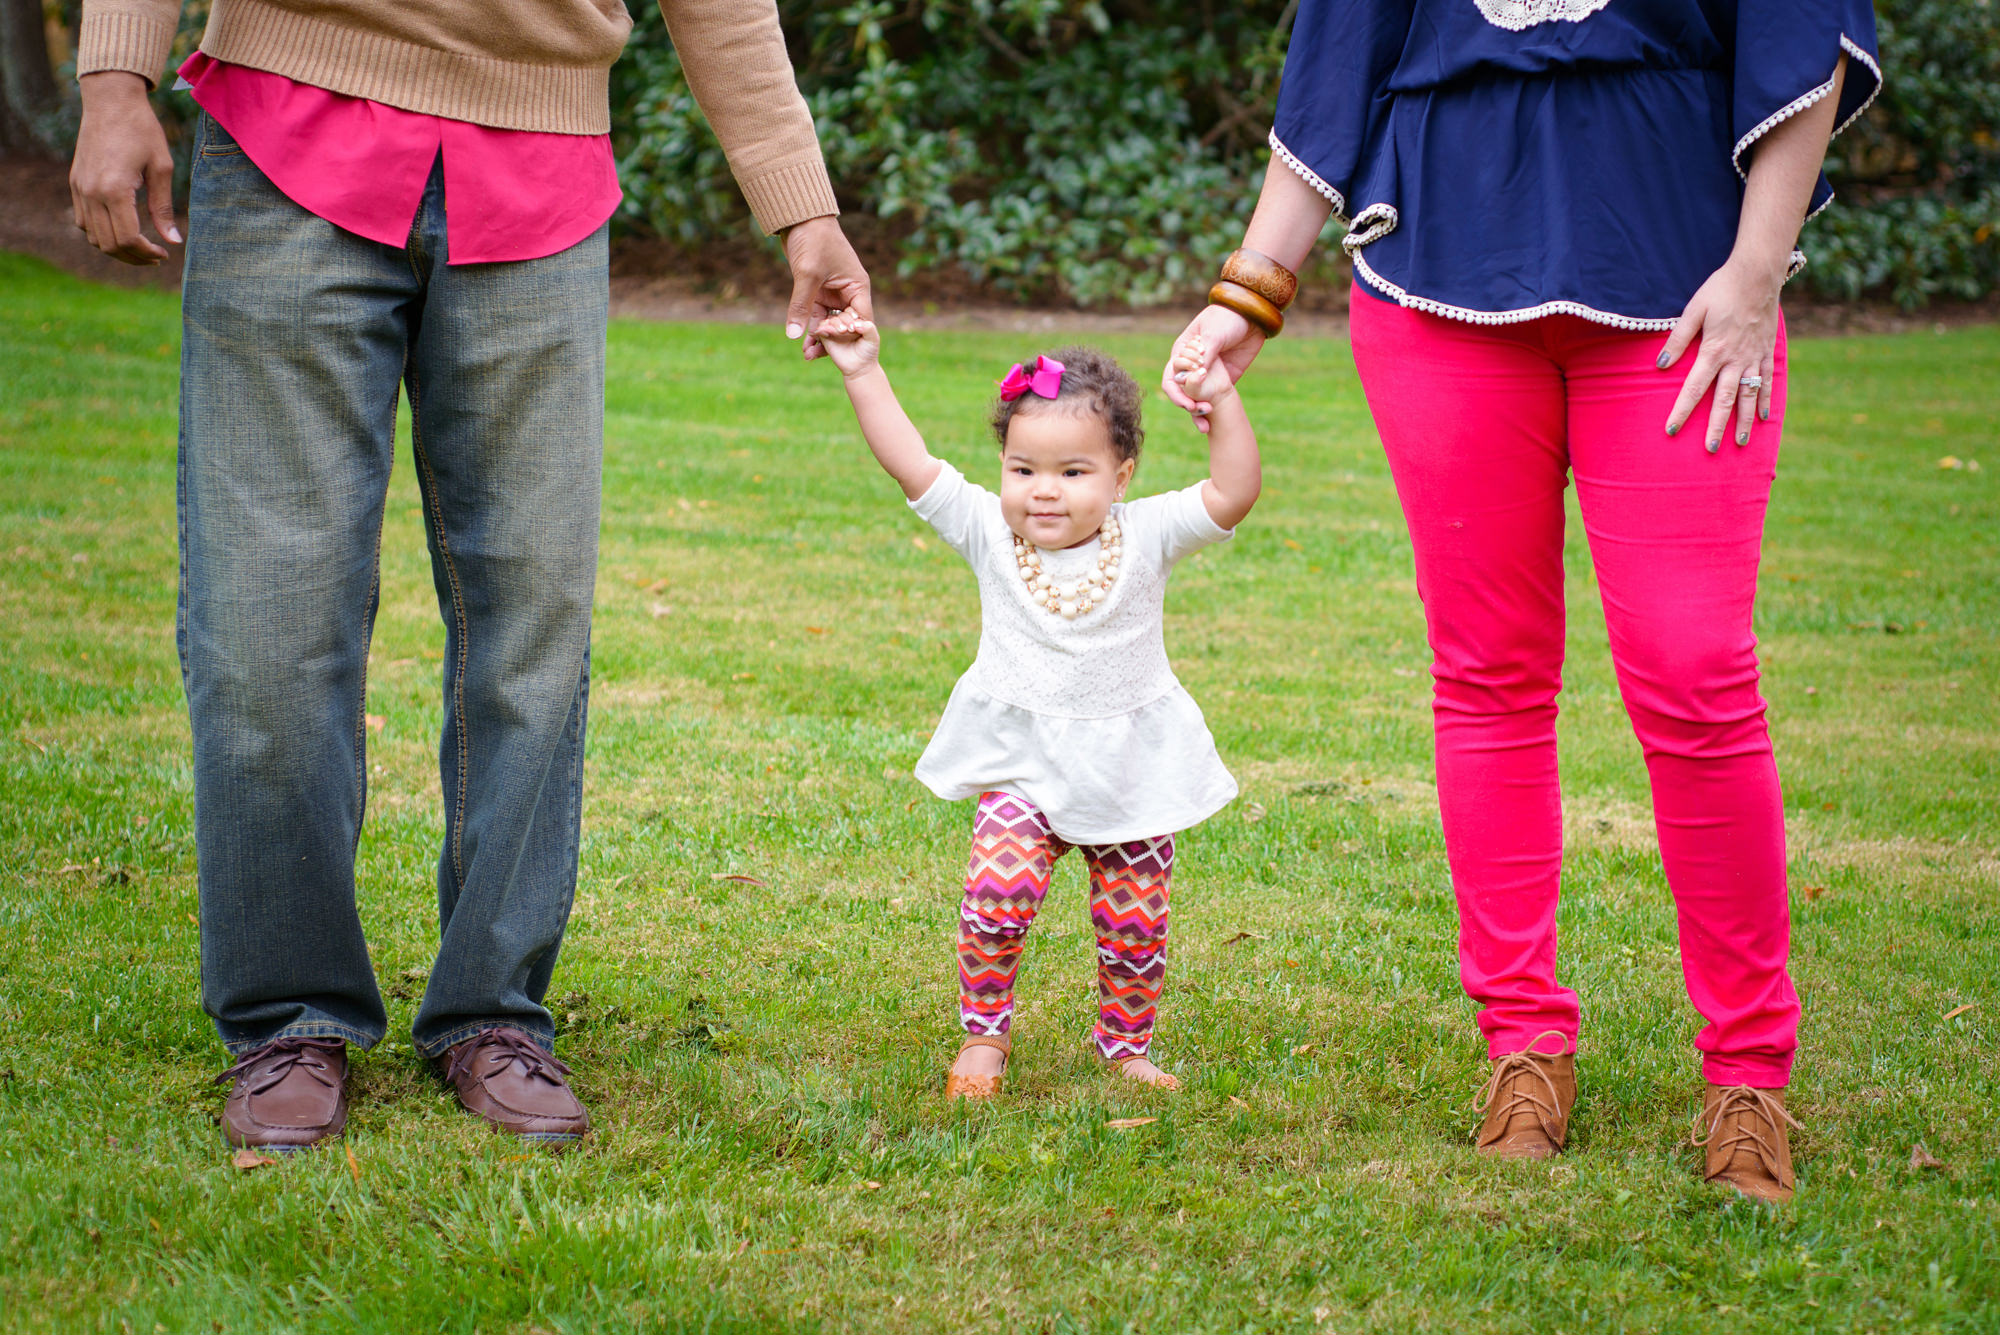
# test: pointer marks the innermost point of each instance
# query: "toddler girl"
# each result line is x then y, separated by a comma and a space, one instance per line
1069, 727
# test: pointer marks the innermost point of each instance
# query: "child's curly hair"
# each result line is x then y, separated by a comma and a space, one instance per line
1092, 383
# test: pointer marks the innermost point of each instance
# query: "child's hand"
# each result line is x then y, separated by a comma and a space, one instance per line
854, 343
1202, 379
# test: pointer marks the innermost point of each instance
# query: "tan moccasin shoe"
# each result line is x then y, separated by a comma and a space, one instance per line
1527, 1102
1743, 1131
958, 1086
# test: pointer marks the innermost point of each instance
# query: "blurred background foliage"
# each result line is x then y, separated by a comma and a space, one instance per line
1109, 151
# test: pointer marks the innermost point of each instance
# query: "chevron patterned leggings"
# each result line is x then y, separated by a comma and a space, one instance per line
1013, 856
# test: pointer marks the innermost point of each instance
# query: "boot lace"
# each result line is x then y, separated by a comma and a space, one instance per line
1510, 1080
1734, 1124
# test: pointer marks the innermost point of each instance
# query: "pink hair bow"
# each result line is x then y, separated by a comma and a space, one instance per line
1045, 380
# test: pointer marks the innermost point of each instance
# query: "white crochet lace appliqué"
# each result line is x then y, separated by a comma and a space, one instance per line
1518, 15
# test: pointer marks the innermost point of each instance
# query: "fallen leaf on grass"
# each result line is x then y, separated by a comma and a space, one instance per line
1304, 1049
871, 1186
734, 876
376, 722
1127, 1123
1921, 1158
1951, 463
69, 867
1815, 891
1254, 812
920, 544
1238, 1102
1246, 936
353, 1168
249, 1159
1957, 1011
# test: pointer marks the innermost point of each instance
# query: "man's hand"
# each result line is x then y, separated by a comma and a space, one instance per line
119, 149
826, 276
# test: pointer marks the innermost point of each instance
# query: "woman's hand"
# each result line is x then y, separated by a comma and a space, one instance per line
1225, 343
1735, 315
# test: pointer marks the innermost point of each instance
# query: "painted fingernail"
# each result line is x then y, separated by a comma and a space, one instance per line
794, 330
1673, 429
1763, 414
1714, 445
1743, 438
1662, 362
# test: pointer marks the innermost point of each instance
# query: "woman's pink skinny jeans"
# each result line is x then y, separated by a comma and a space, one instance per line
1482, 425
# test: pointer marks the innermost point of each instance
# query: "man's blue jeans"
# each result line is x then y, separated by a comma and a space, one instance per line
297, 338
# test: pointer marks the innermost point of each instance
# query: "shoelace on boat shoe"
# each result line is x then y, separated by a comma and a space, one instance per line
513, 1046
1739, 1105
1505, 1069
303, 1052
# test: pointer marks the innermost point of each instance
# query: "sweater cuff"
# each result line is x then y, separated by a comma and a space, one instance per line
136, 43
790, 195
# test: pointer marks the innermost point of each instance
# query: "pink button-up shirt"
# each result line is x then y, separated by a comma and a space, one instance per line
362, 166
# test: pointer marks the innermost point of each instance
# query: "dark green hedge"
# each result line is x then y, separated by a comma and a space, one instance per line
1110, 151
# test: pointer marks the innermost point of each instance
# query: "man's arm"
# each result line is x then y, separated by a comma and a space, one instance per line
733, 53
122, 45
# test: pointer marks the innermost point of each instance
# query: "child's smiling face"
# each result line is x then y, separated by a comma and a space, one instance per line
1059, 474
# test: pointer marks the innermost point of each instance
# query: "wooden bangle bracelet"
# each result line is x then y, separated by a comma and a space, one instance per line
1255, 309
1261, 274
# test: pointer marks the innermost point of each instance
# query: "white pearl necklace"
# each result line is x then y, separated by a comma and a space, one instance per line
1071, 601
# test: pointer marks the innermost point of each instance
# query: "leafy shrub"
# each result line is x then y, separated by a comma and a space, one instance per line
1047, 149
1919, 175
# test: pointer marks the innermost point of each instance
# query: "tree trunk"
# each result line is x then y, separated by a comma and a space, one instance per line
29, 97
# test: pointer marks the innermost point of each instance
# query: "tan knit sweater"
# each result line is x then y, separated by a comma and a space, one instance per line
513, 64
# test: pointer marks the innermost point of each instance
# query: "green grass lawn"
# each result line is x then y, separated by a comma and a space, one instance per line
775, 635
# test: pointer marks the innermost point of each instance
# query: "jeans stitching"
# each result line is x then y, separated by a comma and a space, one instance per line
459, 1033
361, 718
455, 835
311, 1029
210, 125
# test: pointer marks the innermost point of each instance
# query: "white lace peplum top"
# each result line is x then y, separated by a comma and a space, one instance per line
1083, 718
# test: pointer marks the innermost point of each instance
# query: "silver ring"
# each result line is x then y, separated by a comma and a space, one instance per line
1752, 382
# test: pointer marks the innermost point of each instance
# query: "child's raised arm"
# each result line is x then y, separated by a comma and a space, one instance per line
855, 345
1235, 473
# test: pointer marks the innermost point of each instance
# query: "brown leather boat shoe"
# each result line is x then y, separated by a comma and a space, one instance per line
1527, 1102
289, 1094
1743, 1132
516, 1084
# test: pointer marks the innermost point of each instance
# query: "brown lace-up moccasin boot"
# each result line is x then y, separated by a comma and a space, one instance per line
516, 1084
1743, 1131
289, 1094
1527, 1102
979, 1086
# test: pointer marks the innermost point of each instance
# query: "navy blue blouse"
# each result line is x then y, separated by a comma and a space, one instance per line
1507, 159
